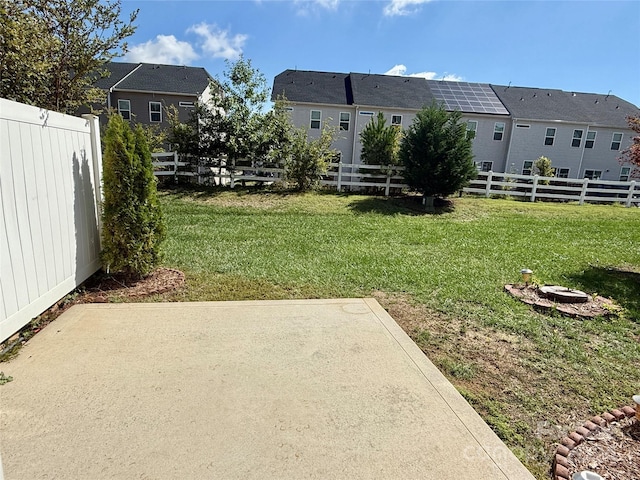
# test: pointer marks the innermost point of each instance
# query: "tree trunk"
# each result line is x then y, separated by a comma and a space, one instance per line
428, 203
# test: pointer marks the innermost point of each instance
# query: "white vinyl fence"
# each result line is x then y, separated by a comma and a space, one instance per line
50, 171
389, 180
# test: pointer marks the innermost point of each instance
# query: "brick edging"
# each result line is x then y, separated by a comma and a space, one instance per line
560, 463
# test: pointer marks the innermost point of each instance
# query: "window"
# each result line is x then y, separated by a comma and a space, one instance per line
625, 172
498, 131
591, 139
562, 172
124, 109
345, 120
155, 111
527, 167
486, 166
616, 140
592, 174
316, 117
396, 120
577, 138
186, 104
472, 128
549, 136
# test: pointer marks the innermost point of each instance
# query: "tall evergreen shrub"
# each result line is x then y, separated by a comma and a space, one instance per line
132, 223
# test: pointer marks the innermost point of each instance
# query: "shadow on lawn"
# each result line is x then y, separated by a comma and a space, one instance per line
409, 205
621, 285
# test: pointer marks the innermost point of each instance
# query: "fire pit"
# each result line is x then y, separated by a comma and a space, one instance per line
562, 294
562, 299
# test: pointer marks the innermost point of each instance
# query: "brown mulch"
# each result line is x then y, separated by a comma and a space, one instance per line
100, 288
103, 288
596, 306
613, 452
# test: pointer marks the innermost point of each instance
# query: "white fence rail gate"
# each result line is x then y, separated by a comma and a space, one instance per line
50, 177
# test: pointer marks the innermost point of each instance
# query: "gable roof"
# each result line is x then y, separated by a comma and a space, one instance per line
148, 77
388, 91
549, 104
313, 87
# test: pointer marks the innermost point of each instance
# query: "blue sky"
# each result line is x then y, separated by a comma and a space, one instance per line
583, 46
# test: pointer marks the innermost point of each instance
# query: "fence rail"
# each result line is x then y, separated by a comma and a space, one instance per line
534, 187
347, 176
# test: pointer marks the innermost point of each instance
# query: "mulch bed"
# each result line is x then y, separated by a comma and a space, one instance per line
596, 306
608, 445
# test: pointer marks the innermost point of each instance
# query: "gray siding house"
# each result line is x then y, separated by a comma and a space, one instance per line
141, 92
582, 133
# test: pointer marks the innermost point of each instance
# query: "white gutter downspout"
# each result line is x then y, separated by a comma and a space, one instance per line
355, 135
584, 145
513, 129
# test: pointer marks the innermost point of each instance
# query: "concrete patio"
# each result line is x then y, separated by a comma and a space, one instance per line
238, 390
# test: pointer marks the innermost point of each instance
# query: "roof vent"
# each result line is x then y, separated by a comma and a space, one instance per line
522, 99
573, 94
377, 86
597, 101
548, 94
535, 95
617, 107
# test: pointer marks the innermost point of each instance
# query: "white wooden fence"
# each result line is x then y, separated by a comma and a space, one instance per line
345, 175
534, 188
50, 172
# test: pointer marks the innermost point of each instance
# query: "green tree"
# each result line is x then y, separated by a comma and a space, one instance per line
307, 159
132, 223
231, 122
380, 143
437, 153
54, 50
542, 166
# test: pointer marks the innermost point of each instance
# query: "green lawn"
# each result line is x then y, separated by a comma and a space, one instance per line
532, 376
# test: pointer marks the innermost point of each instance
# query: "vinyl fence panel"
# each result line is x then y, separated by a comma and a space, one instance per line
50, 176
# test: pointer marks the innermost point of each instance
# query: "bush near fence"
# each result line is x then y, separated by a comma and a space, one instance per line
389, 180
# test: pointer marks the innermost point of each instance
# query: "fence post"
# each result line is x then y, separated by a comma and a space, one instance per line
96, 163
534, 188
632, 189
233, 169
488, 190
340, 176
583, 194
386, 190
175, 167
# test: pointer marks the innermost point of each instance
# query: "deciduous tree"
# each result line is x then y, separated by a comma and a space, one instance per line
632, 153
54, 50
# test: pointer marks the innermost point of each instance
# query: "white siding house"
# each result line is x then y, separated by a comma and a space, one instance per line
582, 133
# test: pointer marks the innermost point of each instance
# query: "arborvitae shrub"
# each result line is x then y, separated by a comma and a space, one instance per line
132, 223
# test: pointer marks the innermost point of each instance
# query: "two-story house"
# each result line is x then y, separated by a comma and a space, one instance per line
141, 92
582, 133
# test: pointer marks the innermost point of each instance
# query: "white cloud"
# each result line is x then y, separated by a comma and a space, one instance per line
401, 71
218, 43
402, 7
305, 7
165, 49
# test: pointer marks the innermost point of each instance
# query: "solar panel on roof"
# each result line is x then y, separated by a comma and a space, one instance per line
467, 97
